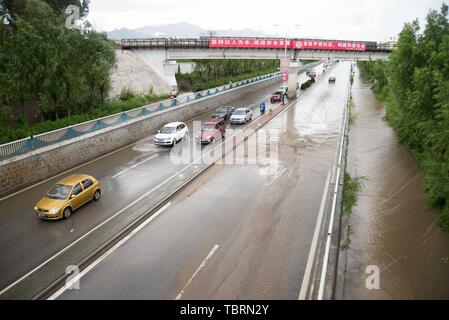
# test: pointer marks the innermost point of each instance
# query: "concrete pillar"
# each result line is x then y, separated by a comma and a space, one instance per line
293, 70
170, 72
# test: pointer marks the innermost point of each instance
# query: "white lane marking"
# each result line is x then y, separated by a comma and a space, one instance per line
70, 283
312, 252
202, 265
133, 166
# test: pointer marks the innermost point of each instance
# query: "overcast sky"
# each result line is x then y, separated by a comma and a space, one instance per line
334, 19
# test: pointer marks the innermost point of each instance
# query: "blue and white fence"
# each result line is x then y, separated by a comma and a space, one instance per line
32, 143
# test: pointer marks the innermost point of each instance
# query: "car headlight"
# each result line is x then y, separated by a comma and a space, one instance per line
36, 209
53, 210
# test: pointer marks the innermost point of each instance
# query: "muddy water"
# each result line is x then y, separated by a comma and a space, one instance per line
392, 227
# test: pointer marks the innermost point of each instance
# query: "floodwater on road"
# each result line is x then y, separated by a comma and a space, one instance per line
391, 226
261, 221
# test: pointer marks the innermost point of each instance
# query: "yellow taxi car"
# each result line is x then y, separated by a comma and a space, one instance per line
68, 195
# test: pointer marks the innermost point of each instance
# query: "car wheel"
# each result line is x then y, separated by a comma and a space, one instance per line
66, 213
97, 195
174, 142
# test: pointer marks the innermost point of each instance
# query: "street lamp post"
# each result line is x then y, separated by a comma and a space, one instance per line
285, 45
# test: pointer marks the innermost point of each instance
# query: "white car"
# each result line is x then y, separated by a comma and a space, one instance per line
241, 115
171, 134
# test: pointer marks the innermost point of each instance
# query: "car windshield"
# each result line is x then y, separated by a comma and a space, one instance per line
239, 112
168, 129
221, 110
59, 191
208, 127
277, 92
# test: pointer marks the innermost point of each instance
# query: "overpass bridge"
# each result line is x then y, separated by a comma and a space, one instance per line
161, 53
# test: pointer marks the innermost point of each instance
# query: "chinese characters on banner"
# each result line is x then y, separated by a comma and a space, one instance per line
328, 45
248, 43
291, 44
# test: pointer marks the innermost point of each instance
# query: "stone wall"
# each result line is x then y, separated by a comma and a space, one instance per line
133, 73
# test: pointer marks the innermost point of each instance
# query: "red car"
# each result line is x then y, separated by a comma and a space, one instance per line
276, 96
211, 131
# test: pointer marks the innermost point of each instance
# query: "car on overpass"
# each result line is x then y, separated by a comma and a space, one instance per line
332, 79
68, 195
223, 112
171, 134
242, 115
211, 131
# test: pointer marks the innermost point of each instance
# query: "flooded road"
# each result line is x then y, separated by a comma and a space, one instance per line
239, 231
392, 227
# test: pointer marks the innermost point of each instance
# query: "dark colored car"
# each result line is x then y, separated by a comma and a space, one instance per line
332, 79
276, 96
223, 112
211, 131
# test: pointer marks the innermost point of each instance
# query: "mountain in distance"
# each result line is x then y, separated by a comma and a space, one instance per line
179, 30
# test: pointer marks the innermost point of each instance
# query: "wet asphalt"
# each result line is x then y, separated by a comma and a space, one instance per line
26, 241
253, 222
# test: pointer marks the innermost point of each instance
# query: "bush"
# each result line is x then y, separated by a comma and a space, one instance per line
307, 84
126, 94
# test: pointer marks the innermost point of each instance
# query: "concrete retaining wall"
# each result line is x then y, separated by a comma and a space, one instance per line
22, 171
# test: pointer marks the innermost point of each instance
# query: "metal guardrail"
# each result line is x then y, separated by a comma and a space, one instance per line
203, 42
23, 146
163, 43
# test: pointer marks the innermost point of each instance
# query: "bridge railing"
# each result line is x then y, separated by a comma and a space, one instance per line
163, 42
203, 42
24, 146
